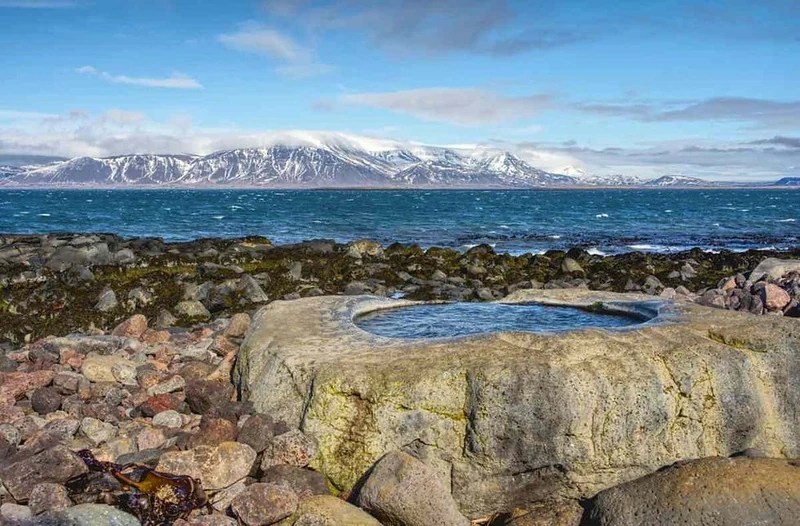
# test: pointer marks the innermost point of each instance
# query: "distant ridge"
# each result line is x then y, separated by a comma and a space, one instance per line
788, 181
317, 160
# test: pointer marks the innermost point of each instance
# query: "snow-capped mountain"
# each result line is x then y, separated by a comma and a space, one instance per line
310, 160
611, 180
320, 159
677, 180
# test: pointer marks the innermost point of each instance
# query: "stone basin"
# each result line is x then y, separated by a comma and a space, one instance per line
511, 418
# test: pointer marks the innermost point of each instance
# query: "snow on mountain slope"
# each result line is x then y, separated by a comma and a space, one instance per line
133, 169
610, 180
677, 180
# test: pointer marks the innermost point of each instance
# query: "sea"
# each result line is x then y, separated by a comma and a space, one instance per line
602, 221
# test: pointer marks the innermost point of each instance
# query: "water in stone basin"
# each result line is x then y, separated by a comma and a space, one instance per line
461, 319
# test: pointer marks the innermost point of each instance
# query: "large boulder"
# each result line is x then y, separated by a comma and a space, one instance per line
513, 419
721, 491
402, 491
774, 268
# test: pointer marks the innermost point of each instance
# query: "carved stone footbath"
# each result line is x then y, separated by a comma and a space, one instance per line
513, 418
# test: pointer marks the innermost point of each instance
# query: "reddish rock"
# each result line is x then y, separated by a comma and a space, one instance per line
238, 325
264, 504
203, 395
213, 432
222, 346
133, 327
151, 337
57, 464
774, 297
15, 385
72, 358
163, 402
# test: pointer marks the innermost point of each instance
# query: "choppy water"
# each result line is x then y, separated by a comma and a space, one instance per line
461, 319
607, 221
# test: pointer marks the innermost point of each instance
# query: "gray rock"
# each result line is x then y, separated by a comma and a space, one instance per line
217, 467
107, 301
652, 285
48, 497
356, 288
570, 266
326, 510
96, 515
725, 491
169, 418
97, 431
238, 325
165, 319
251, 290
295, 271
57, 464
774, 268
257, 432
402, 491
15, 514
304, 482
192, 309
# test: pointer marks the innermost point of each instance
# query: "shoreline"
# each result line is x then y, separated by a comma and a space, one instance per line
170, 186
53, 284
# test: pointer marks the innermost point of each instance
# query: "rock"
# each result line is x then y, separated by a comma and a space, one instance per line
565, 513
192, 309
14, 385
688, 272
150, 438
238, 325
10, 434
133, 327
304, 482
360, 397
570, 266
156, 404
251, 290
98, 368
95, 515
170, 418
97, 431
295, 272
165, 319
15, 514
140, 297
652, 285
356, 288
668, 293
170, 385
774, 298
264, 504
124, 257
485, 294
116, 447
107, 301
326, 510
48, 496
46, 400
290, 449
63, 428
774, 269
57, 464
402, 491
438, 275
148, 457
203, 395
257, 432
213, 431
215, 519
216, 467
766, 491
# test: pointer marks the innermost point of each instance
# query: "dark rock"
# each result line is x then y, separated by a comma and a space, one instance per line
203, 395
213, 432
148, 457
304, 482
257, 432
46, 400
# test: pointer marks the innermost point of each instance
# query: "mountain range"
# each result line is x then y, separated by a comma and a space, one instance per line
315, 160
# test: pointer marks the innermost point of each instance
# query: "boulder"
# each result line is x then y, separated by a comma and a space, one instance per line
774, 268
724, 491
290, 449
513, 419
98, 368
774, 298
107, 301
402, 491
48, 496
304, 482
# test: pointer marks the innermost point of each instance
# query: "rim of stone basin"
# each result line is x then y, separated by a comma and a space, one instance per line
650, 312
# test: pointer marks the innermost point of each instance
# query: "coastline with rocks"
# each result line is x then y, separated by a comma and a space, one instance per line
140, 351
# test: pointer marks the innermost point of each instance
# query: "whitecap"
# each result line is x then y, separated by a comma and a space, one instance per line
595, 252
44, 215
668, 211
785, 220
554, 236
505, 226
598, 216
218, 217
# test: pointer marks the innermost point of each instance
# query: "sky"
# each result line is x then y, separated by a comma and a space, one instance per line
691, 87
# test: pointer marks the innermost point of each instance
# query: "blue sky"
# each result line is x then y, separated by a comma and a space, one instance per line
641, 88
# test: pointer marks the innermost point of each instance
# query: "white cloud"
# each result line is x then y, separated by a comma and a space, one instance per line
294, 60
123, 117
20, 115
462, 106
174, 81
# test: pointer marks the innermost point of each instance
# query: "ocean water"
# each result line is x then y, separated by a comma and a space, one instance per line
461, 319
516, 221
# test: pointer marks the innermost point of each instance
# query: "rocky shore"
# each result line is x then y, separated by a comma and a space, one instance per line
127, 348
